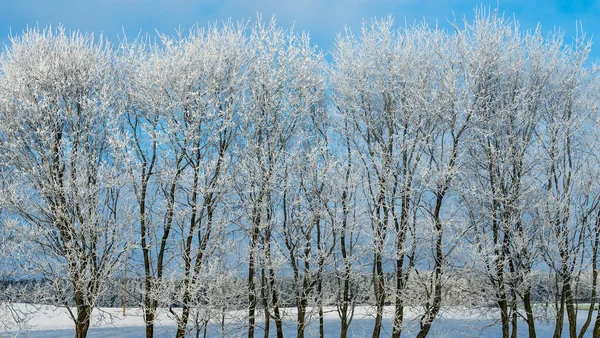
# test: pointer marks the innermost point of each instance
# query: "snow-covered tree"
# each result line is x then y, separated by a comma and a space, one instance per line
509, 76
60, 140
285, 89
568, 201
382, 82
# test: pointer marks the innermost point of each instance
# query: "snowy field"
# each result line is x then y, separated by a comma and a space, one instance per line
50, 322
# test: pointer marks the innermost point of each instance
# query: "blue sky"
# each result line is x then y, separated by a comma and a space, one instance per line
323, 18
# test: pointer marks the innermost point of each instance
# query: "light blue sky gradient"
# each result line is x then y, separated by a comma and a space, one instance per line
323, 18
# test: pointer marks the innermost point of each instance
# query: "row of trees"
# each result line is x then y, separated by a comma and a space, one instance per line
237, 153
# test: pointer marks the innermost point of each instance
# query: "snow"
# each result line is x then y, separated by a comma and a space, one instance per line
46, 321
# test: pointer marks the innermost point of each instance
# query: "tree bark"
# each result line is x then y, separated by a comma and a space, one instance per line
82, 324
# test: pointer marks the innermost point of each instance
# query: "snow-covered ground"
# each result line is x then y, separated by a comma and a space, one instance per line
47, 321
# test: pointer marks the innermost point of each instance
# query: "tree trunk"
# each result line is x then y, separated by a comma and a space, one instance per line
271, 285
345, 320
529, 312
399, 306
515, 317
433, 310
344, 331
402, 274
379, 283
588, 319
148, 309
148, 315
560, 314
321, 315
251, 282
305, 291
263, 295
569, 303
182, 321
503, 306
321, 264
301, 319
84, 313
596, 330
